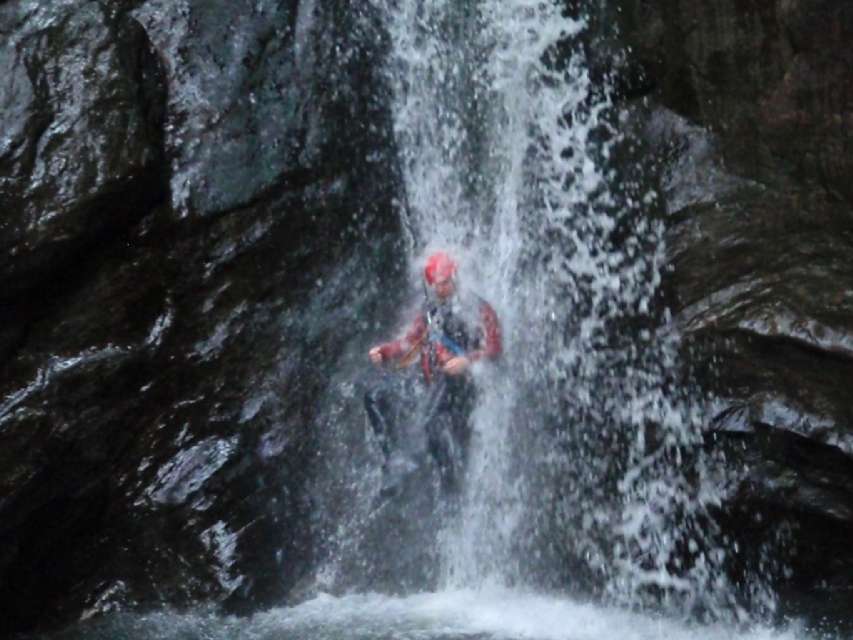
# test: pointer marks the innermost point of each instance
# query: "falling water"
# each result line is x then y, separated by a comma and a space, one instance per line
582, 432
585, 473
465, 101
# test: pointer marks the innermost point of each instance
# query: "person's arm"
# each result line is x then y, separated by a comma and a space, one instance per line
492, 345
397, 349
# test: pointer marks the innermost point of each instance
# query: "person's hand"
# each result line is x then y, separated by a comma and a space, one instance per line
375, 355
456, 366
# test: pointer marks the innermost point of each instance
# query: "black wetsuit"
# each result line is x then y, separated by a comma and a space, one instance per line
448, 400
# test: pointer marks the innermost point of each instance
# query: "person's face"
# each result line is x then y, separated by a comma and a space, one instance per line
444, 287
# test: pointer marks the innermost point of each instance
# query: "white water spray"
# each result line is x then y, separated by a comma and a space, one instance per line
506, 147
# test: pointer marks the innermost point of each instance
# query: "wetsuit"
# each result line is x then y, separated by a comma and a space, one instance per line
440, 332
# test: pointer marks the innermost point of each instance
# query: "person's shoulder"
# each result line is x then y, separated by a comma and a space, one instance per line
478, 302
483, 303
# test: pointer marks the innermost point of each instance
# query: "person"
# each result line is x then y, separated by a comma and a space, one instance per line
449, 333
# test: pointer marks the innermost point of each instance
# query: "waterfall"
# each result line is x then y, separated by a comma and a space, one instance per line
467, 81
507, 148
585, 469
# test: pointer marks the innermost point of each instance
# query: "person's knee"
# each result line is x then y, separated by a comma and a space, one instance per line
374, 412
371, 398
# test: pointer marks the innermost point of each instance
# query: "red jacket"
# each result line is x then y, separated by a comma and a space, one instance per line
417, 337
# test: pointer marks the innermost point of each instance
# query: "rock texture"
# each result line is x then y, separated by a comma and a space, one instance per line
81, 152
182, 258
751, 107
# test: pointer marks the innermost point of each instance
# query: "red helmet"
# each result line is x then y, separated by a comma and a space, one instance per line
439, 266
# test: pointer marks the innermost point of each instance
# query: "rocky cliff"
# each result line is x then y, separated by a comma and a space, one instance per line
184, 187
750, 110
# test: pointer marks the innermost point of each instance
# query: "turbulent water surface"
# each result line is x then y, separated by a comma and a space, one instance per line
449, 615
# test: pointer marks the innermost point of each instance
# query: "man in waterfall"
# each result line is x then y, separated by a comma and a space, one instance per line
449, 333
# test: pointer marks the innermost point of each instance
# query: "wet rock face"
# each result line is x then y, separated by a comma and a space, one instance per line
771, 78
240, 97
751, 116
183, 262
81, 151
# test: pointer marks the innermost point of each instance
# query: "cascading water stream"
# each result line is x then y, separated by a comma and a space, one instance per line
506, 145
462, 121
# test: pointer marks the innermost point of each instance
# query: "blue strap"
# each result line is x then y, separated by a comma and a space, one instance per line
437, 335
448, 343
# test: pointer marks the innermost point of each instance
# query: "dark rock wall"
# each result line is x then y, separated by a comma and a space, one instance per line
195, 197
750, 110
771, 78
82, 150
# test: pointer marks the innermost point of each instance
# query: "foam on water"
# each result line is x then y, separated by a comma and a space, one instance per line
495, 613
498, 614
506, 145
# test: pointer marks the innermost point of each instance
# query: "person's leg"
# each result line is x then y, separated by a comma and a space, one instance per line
376, 404
461, 402
454, 430
438, 427
442, 449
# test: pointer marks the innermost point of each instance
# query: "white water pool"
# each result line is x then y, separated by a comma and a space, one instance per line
449, 615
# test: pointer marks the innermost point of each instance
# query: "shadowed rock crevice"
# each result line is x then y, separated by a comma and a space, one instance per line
790, 519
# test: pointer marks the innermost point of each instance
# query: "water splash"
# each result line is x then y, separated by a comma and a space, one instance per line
586, 472
586, 450
452, 615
